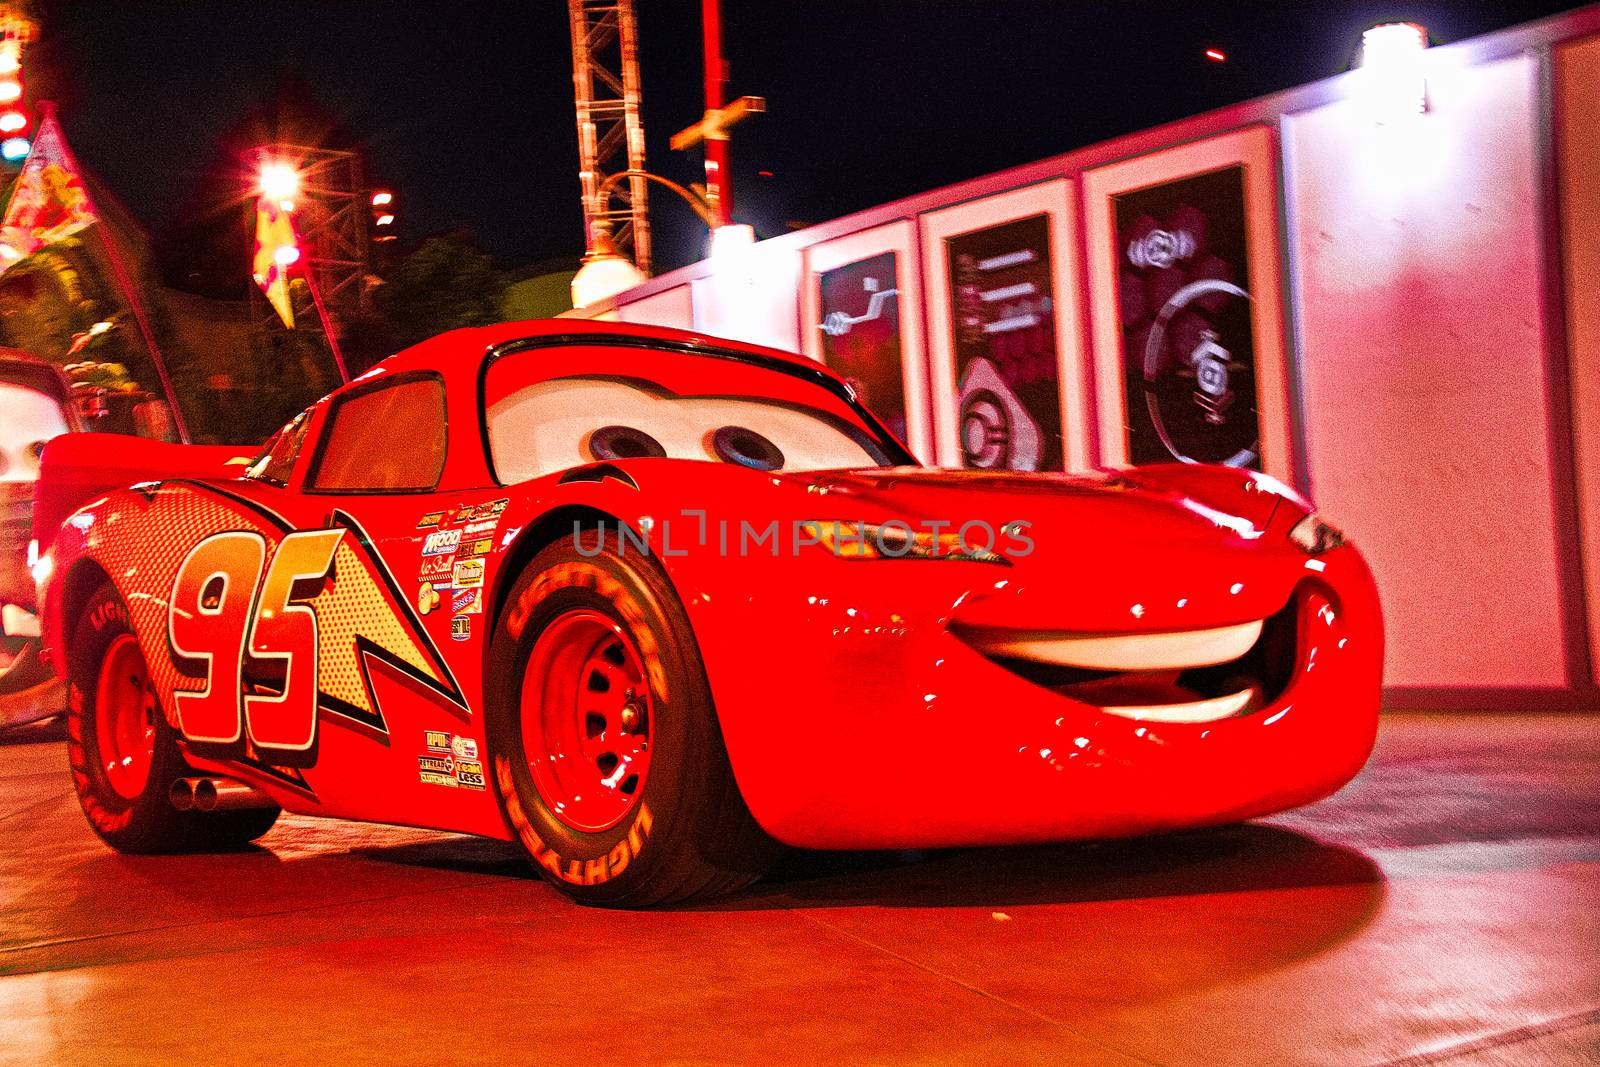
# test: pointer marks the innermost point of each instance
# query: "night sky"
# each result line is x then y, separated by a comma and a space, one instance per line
465, 108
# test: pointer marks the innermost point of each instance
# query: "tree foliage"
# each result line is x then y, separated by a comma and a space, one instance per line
446, 283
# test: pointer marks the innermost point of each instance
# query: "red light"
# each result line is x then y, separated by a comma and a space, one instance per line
764, 173
10, 89
1216, 55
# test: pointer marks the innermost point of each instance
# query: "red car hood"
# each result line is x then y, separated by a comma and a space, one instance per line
1105, 552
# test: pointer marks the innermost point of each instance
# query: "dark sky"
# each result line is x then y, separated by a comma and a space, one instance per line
465, 107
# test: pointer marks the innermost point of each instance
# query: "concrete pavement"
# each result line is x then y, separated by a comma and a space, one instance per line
1445, 908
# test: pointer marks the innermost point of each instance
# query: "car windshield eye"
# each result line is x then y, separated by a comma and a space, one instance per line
624, 442
735, 444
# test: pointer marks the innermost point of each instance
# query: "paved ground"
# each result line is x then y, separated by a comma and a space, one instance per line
1443, 909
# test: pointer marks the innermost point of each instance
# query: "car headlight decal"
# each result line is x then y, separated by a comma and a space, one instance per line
1316, 536
893, 540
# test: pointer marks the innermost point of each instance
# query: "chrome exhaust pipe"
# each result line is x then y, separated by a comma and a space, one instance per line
225, 794
182, 793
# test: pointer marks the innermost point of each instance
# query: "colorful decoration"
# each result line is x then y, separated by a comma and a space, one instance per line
49, 201
277, 249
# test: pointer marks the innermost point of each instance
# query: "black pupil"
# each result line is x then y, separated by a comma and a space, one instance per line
623, 442
736, 444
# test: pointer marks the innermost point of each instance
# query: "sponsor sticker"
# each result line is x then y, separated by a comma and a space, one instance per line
436, 567
427, 599
482, 526
467, 573
469, 773
440, 542
461, 513
437, 765
437, 740
435, 778
481, 546
460, 627
467, 602
429, 520
464, 748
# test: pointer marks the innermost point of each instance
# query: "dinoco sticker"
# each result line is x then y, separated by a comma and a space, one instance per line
460, 627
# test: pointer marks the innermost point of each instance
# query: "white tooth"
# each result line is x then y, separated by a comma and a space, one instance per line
1198, 711
1122, 652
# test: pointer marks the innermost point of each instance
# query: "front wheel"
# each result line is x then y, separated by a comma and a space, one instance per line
125, 756
607, 756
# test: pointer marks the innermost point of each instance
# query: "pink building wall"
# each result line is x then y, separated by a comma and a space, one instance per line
1425, 398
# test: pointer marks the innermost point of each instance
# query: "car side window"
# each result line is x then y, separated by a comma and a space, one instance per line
389, 439
276, 461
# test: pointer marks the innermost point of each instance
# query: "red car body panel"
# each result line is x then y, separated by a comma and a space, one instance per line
855, 711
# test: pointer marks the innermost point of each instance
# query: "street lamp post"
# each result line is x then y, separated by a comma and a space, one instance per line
605, 271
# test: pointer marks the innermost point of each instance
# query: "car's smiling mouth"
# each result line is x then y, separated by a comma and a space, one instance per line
1191, 676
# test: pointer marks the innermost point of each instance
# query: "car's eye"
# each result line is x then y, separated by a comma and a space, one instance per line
735, 444
623, 442
36, 450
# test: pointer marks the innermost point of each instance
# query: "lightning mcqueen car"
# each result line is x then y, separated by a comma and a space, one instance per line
653, 604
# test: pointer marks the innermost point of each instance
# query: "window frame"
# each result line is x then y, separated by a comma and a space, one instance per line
325, 434
300, 424
897, 453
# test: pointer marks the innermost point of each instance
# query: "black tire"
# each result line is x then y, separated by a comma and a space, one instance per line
688, 834
146, 823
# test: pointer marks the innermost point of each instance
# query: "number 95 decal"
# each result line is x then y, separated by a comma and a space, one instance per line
252, 641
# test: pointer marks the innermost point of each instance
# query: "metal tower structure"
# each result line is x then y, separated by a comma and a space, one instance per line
331, 219
605, 81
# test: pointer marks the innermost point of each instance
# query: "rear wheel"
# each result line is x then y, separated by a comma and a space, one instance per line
124, 755
607, 757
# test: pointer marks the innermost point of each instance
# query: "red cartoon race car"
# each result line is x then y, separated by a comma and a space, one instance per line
652, 603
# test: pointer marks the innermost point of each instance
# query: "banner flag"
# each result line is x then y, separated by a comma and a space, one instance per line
276, 250
49, 200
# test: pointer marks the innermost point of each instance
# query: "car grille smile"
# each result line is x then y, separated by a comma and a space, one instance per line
1190, 676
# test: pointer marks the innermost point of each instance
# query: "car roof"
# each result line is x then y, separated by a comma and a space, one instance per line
443, 354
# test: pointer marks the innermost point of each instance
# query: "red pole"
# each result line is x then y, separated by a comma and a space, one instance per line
719, 183
327, 323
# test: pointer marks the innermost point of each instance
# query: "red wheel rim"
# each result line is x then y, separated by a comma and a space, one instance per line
125, 718
586, 720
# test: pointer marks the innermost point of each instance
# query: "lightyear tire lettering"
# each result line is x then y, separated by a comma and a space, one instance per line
689, 834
